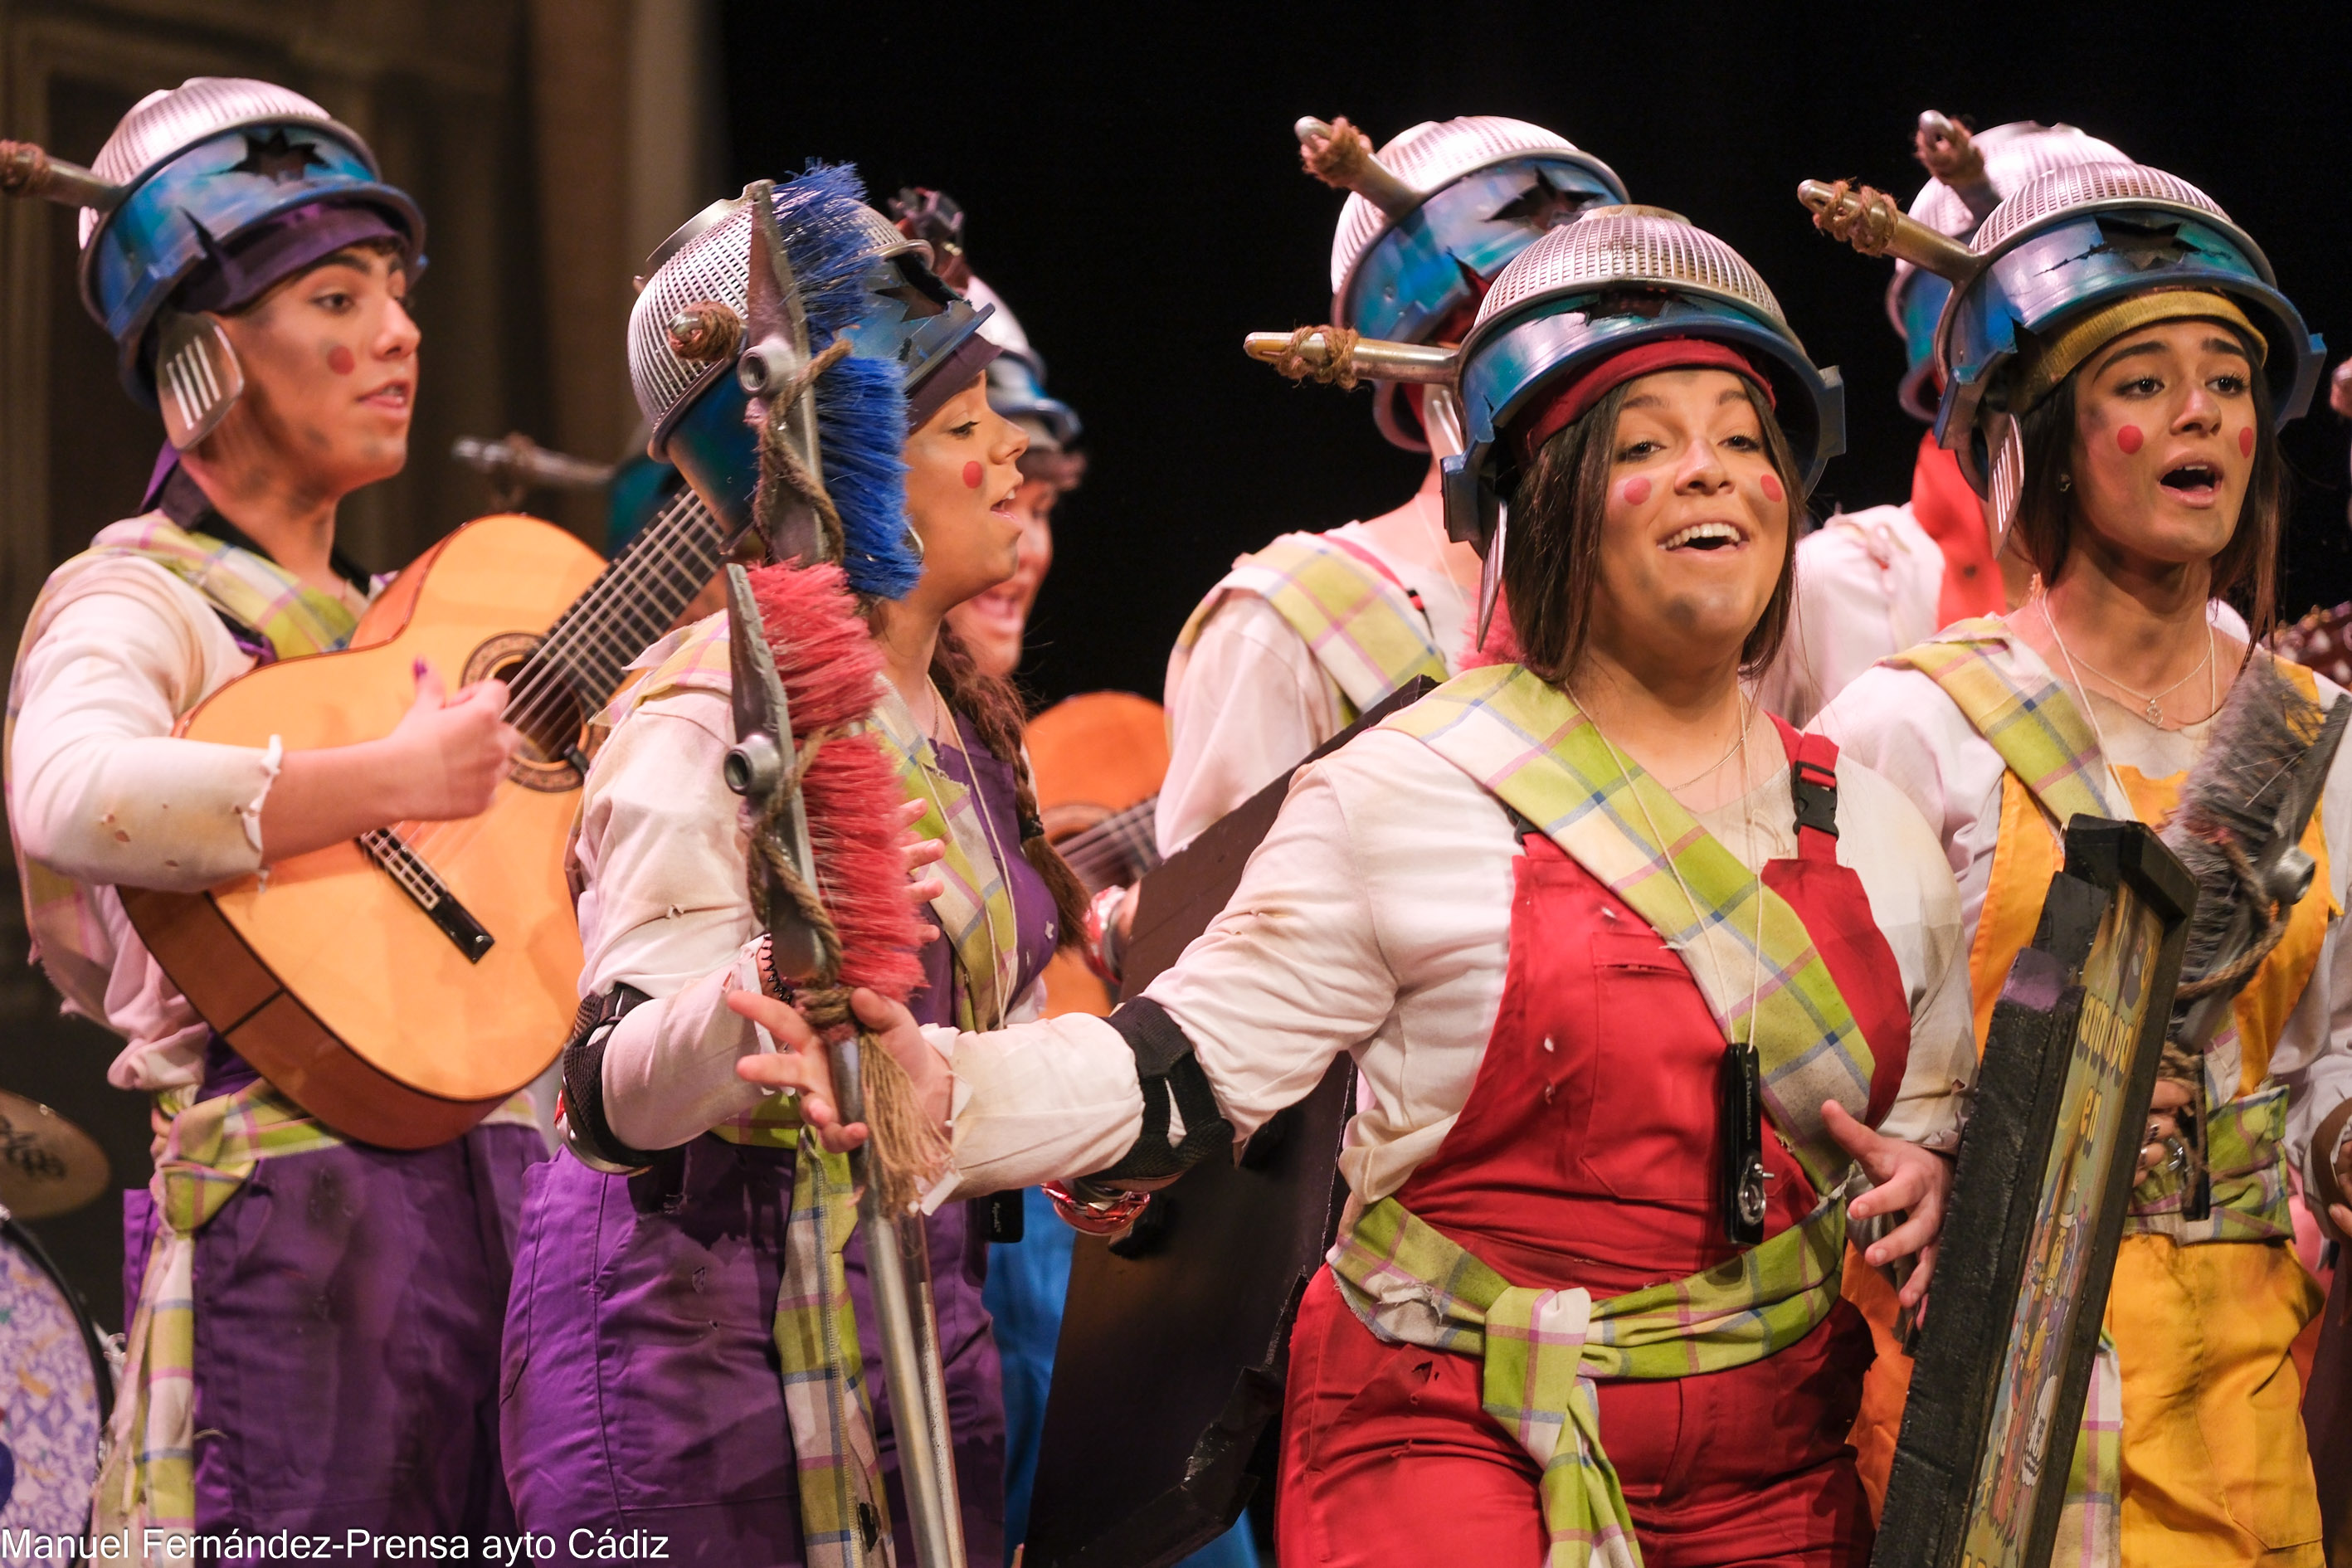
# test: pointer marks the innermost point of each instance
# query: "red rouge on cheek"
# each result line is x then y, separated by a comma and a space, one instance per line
342, 361
1635, 491
2130, 439
2246, 442
1770, 485
972, 472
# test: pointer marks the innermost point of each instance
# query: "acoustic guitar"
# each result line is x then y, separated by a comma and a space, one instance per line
1098, 759
401, 986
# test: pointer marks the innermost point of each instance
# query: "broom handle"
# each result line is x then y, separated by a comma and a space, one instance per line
898, 1266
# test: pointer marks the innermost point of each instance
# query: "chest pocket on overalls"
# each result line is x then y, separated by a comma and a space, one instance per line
1656, 1054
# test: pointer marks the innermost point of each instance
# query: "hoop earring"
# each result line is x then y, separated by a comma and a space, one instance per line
916, 541
2065, 481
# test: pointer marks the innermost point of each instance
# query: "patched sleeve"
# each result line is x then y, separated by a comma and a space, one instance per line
99, 788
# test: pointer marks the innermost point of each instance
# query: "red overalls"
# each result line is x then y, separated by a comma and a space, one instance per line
1586, 1156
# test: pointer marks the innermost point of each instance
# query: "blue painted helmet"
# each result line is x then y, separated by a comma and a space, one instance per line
212, 160
1463, 197
914, 342
1615, 278
2013, 154
2071, 241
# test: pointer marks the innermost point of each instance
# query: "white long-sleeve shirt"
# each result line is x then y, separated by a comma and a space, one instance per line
100, 791
1248, 700
1375, 920
1900, 722
665, 908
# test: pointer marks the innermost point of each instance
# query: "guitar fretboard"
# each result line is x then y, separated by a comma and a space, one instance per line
627, 608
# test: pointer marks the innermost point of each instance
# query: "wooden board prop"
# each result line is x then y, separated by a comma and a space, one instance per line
1175, 1336
2029, 1245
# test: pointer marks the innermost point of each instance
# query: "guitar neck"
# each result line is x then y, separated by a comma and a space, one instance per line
1116, 850
629, 605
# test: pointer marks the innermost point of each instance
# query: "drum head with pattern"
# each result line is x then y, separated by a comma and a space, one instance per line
55, 1388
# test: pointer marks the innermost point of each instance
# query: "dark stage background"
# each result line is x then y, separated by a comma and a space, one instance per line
1134, 192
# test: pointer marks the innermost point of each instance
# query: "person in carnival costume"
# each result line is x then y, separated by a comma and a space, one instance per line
1872, 582
314, 1341
2116, 361
992, 624
1305, 635
695, 1370
1462, 897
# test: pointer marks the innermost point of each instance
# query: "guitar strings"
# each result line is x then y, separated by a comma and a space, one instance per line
672, 547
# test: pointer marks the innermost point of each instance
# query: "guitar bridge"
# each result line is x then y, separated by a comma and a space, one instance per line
422, 883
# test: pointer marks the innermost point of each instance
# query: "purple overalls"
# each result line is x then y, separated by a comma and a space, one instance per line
640, 1390
349, 1304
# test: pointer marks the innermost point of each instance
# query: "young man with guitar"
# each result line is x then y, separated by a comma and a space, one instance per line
314, 1344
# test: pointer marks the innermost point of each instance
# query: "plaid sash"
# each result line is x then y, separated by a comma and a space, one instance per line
976, 909
1533, 748
1540, 1351
843, 1521
148, 1479
1353, 617
68, 937
2027, 718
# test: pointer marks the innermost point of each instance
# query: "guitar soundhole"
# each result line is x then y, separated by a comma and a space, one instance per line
544, 706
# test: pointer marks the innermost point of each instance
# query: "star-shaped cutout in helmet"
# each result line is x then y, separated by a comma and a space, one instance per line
274, 157
1542, 206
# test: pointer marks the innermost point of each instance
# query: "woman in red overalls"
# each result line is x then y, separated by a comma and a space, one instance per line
1525, 1348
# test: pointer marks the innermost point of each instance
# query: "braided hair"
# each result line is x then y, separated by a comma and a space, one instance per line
994, 709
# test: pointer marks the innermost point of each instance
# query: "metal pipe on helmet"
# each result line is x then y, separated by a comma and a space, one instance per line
27, 171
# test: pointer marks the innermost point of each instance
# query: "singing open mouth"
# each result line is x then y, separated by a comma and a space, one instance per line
1709, 536
2195, 483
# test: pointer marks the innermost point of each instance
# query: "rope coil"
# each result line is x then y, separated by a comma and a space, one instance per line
1331, 363
1861, 215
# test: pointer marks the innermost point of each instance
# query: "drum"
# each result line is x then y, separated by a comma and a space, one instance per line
57, 1389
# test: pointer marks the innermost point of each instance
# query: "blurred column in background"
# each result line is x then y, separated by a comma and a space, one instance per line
551, 144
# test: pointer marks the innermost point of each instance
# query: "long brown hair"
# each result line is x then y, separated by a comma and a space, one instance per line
990, 705
2245, 569
1551, 558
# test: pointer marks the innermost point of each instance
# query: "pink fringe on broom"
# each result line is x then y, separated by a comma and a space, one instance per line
831, 668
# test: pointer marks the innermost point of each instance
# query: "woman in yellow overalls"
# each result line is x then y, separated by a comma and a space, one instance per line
2115, 366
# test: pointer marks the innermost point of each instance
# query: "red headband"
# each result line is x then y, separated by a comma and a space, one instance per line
1574, 398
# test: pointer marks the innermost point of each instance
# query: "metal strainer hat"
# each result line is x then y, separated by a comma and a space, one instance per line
1614, 279
2076, 238
1460, 198
197, 166
2013, 154
688, 327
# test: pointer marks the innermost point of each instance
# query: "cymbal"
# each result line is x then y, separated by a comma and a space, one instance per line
48, 1165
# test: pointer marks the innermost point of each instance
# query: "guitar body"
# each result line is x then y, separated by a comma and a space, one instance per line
328, 975
1092, 756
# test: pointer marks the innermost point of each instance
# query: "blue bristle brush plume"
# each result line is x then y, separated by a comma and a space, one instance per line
860, 402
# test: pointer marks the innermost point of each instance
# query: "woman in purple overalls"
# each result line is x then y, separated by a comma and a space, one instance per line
644, 1389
